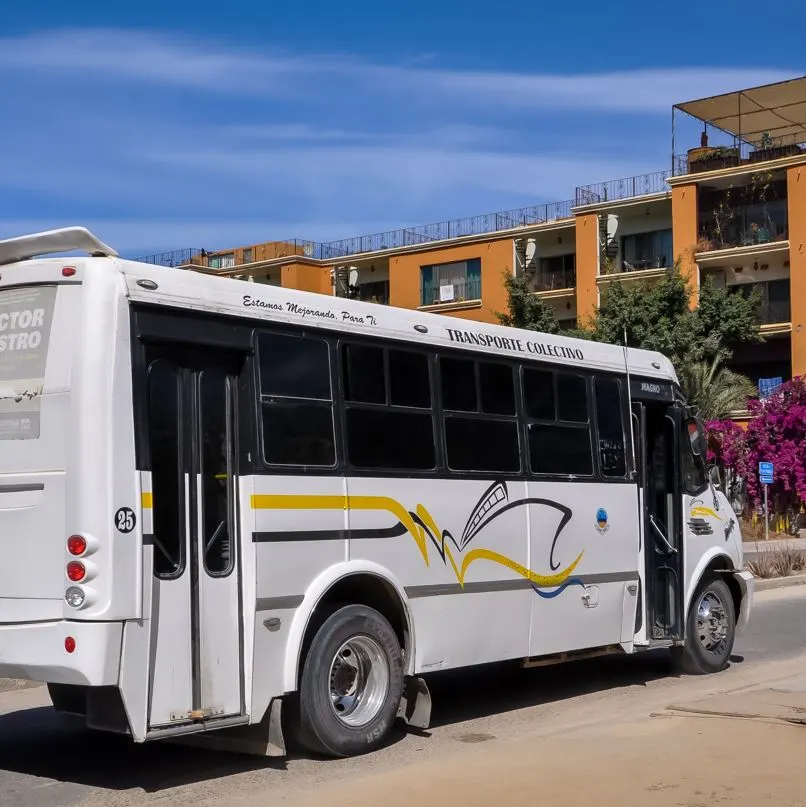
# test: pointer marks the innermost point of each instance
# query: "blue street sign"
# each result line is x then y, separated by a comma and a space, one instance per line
765, 472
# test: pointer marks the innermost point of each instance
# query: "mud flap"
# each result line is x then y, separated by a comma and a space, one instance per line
415, 705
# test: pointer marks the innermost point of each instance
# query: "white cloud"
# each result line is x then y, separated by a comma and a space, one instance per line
161, 140
179, 62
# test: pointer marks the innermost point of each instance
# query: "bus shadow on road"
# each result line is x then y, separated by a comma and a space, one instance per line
489, 690
42, 743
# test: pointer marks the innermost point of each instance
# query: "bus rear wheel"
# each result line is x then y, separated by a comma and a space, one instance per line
710, 629
351, 685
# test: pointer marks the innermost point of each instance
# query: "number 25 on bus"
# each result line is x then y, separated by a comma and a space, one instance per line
240, 509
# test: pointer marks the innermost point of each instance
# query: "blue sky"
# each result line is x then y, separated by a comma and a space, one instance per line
167, 125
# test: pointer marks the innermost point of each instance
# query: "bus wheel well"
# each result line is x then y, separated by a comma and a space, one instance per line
722, 566
359, 589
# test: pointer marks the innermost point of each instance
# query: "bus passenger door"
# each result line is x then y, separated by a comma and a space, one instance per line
196, 670
662, 535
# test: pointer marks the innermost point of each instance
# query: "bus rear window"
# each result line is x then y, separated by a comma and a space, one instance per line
26, 315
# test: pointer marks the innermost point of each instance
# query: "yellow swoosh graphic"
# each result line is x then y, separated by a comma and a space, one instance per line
704, 512
389, 505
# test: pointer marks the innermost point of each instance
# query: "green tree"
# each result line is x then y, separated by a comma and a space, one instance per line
656, 316
716, 390
525, 309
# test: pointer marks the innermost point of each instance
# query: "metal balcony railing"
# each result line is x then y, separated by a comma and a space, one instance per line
727, 226
485, 224
615, 189
772, 313
717, 158
553, 279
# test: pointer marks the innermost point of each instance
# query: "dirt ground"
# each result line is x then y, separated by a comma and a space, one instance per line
658, 762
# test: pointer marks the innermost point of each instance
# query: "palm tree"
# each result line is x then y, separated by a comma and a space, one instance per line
717, 391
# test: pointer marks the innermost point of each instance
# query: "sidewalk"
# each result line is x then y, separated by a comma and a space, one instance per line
753, 548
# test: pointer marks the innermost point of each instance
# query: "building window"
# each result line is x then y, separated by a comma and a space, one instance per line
651, 250
222, 261
248, 255
451, 282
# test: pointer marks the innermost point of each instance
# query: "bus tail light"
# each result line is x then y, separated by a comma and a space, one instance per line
69, 644
76, 571
68, 271
76, 545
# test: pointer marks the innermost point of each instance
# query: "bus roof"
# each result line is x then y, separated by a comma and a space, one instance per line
227, 296
230, 297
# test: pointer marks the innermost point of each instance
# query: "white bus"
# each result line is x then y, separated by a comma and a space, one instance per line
233, 510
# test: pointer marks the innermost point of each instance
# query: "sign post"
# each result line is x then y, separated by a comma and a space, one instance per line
765, 475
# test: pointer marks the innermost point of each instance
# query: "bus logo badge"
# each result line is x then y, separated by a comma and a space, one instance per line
601, 520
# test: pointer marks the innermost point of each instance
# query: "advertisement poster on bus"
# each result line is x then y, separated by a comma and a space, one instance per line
26, 315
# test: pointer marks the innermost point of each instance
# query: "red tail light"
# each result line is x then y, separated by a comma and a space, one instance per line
76, 545
76, 571
68, 271
69, 644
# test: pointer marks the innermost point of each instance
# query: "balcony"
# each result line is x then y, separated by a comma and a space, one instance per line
775, 305
772, 313
617, 189
376, 291
744, 128
554, 273
718, 158
752, 215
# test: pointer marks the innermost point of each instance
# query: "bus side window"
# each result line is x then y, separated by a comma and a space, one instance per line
556, 407
610, 426
480, 416
388, 413
296, 400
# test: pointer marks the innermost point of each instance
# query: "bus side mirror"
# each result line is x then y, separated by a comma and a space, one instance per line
715, 477
696, 436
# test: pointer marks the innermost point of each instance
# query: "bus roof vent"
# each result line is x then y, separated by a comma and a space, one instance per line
67, 239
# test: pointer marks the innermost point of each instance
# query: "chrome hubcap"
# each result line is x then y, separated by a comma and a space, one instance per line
359, 681
712, 622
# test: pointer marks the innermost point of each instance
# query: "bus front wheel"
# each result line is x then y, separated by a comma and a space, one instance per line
710, 629
351, 685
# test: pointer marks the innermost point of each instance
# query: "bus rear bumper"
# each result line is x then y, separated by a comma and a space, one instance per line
38, 652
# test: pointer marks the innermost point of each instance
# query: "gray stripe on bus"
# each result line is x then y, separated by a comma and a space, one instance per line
438, 590
278, 603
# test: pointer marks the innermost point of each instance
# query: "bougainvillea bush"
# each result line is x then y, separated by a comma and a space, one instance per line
776, 433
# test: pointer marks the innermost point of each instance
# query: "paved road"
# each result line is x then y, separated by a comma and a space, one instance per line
48, 761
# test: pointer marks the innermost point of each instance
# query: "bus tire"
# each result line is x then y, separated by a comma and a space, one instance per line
710, 629
351, 684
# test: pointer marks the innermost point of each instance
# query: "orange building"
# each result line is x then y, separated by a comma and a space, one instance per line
732, 207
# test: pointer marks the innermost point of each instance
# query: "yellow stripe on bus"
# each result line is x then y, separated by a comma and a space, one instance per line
147, 500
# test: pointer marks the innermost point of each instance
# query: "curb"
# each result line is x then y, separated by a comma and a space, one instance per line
766, 584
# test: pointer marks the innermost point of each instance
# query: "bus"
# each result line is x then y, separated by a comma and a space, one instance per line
237, 513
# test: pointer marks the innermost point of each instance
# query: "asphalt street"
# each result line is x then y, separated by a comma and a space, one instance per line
50, 761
